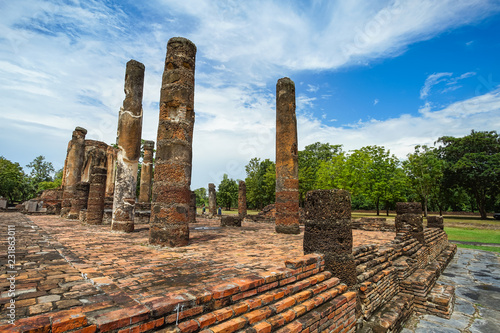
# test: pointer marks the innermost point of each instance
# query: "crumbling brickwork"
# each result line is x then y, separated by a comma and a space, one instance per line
73, 168
129, 149
146, 172
97, 190
435, 222
111, 154
212, 200
242, 199
192, 208
79, 200
287, 171
171, 188
95, 156
409, 219
328, 231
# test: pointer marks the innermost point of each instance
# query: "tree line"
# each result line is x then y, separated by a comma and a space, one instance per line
456, 174
18, 186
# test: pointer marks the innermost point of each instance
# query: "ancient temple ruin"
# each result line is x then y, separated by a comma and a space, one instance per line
146, 172
129, 149
287, 169
171, 189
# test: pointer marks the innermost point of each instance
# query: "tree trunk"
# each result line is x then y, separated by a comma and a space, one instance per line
378, 204
425, 207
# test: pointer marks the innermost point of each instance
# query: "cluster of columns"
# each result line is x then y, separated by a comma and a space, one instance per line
172, 199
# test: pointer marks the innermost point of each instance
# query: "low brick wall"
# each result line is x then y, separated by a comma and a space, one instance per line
392, 281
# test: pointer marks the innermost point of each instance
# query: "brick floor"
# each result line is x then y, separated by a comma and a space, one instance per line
62, 264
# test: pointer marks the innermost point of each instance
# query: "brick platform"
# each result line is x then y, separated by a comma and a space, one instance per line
91, 271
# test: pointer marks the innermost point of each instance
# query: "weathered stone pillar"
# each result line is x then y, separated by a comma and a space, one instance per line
435, 222
79, 200
287, 170
111, 154
212, 200
97, 190
172, 180
73, 168
146, 172
328, 231
95, 155
409, 219
129, 149
192, 208
242, 200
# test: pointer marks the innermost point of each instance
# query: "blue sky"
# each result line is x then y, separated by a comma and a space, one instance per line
389, 73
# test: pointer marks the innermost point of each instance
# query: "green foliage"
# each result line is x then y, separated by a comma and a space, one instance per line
473, 162
201, 196
40, 170
12, 180
53, 184
260, 183
424, 169
310, 160
227, 193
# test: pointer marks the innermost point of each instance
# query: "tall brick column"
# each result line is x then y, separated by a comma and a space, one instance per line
79, 200
328, 231
242, 200
146, 172
287, 170
111, 154
212, 200
73, 168
192, 208
97, 191
435, 222
129, 149
409, 219
172, 180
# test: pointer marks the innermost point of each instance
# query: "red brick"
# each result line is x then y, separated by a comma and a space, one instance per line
207, 320
184, 314
350, 295
67, 320
253, 303
288, 315
276, 321
258, 315
239, 308
223, 314
229, 326
121, 318
247, 283
267, 287
294, 327
164, 305
88, 329
245, 294
262, 327
224, 290
31, 325
302, 296
288, 280
188, 326
284, 304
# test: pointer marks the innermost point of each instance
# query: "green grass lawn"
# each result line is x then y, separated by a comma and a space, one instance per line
473, 235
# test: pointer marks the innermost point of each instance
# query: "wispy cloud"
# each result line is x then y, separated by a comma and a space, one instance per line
375, 102
62, 65
450, 82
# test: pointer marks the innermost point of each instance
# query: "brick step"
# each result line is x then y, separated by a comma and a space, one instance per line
257, 307
440, 301
392, 316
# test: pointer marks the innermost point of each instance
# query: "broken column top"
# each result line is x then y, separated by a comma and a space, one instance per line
81, 129
286, 81
408, 208
328, 205
149, 145
182, 42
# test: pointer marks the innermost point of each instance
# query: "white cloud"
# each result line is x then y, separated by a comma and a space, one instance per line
431, 81
62, 65
375, 102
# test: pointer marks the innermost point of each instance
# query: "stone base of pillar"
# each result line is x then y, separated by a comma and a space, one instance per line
342, 266
172, 235
73, 216
64, 211
122, 226
288, 229
230, 221
83, 216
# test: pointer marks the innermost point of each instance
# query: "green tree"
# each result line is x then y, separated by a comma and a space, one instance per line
473, 162
12, 180
424, 169
201, 196
310, 160
227, 192
260, 183
56, 183
41, 170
